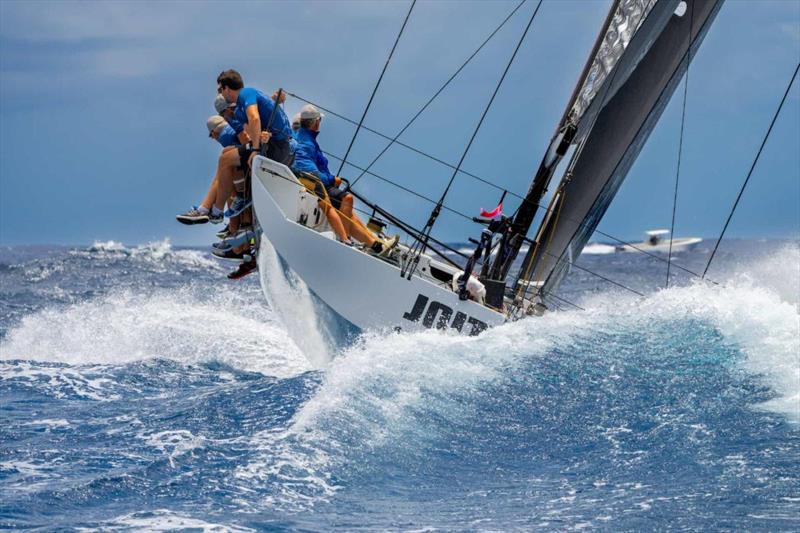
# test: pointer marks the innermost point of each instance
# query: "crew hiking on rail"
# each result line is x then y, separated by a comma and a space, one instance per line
247, 123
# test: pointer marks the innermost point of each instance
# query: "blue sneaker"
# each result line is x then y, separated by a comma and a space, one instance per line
242, 235
222, 246
238, 206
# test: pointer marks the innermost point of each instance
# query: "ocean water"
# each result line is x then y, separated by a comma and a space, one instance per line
142, 391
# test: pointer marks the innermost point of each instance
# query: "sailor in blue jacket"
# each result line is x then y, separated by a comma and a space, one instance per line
308, 158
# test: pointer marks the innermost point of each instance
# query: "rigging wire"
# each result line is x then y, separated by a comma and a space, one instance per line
407, 227
680, 141
752, 167
375, 89
560, 298
438, 92
330, 112
421, 244
469, 218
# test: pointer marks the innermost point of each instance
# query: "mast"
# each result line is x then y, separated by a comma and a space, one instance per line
632, 76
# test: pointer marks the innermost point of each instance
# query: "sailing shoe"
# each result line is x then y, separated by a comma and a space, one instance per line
242, 235
388, 245
215, 218
238, 206
224, 233
193, 216
222, 246
247, 267
228, 254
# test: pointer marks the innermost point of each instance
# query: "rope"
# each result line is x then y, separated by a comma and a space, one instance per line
420, 246
432, 98
753, 166
375, 89
680, 142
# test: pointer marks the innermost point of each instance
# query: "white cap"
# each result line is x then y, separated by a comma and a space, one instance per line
215, 123
309, 111
220, 104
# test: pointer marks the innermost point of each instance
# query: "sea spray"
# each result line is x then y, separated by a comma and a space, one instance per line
185, 325
304, 319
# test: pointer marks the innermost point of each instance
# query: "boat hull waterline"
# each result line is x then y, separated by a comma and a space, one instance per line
366, 290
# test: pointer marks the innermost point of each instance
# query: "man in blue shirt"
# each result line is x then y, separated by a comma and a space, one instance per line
310, 159
255, 113
224, 134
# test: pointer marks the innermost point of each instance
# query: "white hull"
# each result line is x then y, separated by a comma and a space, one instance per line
678, 245
367, 291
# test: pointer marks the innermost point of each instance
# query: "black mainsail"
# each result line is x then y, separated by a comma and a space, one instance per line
634, 68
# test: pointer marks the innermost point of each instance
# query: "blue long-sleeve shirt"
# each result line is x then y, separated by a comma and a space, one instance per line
308, 156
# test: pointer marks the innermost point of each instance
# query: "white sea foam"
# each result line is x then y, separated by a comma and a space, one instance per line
63, 382
755, 308
158, 254
374, 394
291, 299
161, 520
48, 423
174, 443
189, 325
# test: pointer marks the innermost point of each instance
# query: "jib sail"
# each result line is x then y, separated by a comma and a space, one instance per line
633, 71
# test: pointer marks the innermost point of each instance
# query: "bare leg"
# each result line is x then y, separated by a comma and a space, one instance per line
355, 227
334, 220
226, 171
211, 195
234, 222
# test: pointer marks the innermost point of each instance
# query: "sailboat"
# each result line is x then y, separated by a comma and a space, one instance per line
641, 53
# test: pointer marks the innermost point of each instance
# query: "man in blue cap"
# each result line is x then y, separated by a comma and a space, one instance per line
310, 159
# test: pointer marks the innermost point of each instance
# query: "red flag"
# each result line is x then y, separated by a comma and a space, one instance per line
494, 214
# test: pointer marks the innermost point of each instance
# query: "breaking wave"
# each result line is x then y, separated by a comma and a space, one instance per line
155, 253
190, 325
403, 392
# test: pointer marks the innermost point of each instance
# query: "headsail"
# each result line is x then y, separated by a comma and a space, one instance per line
625, 19
628, 81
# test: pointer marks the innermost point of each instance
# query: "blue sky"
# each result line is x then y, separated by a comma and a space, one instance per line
103, 108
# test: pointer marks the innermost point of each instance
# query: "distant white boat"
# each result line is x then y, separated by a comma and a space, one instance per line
658, 241
597, 248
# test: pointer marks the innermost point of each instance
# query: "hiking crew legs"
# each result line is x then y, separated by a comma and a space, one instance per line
226, 173
353, 224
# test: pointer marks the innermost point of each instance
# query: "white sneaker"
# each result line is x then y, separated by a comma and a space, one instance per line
389, 245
